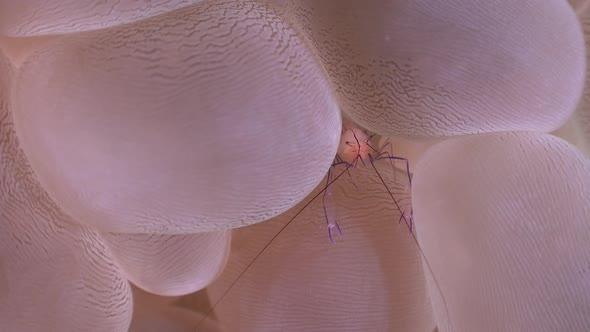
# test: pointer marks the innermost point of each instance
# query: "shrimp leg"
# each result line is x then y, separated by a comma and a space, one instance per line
408, 220
330, 209
339, 161
386, 155
383, 151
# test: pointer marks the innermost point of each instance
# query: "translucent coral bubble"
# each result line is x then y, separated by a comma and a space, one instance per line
54, 275
371, 279
439, 68
205, 118
504, 221
170, 265
41, 17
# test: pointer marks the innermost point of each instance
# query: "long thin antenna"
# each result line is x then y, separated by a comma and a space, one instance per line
269, 243
413, 237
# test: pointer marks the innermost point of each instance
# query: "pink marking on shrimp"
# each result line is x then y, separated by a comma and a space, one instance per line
355, 145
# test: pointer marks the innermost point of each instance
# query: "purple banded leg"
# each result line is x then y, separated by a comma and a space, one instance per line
399, 208
385, 155
351, 180
339, 161
329, 207
381, 152
330, 234
358, 156
389, 155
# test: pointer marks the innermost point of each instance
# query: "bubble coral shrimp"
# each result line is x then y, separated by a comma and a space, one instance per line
358, 148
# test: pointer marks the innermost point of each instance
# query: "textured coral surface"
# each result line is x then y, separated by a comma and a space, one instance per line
164, 164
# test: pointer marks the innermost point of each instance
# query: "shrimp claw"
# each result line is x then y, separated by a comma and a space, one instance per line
332, 226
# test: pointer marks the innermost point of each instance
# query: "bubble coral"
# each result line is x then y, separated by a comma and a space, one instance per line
145, 132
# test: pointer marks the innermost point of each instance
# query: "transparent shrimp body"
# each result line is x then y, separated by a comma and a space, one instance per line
357, 150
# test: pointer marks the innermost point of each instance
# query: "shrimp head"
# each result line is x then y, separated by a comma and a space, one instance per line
354, 145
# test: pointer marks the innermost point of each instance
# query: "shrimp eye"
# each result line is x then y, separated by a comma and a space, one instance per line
346, 142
